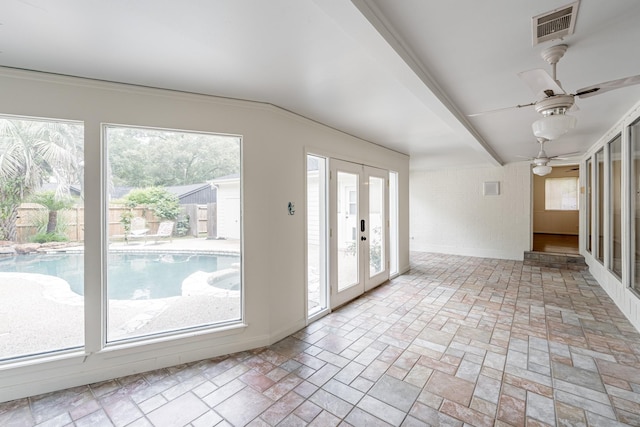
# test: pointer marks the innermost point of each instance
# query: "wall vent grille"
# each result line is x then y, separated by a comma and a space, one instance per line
555, 24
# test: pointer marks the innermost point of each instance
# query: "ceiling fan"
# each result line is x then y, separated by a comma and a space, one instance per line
541, 161
552, 100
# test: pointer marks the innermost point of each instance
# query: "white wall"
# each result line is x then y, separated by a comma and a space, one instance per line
450, 214
274, 166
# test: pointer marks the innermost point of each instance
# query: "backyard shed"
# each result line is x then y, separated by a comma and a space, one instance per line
228, 206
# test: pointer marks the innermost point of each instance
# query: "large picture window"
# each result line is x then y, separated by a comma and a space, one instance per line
173, 227
42, 225
173, 231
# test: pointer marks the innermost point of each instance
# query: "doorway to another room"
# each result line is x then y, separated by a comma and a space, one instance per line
556, 211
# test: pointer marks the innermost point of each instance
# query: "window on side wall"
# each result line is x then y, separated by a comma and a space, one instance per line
561, 194
42, 224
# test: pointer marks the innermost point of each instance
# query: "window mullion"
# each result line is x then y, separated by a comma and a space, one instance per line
95, 199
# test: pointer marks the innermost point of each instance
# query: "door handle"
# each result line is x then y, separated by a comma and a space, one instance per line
362, 225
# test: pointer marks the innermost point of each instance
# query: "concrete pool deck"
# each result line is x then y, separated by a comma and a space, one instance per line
186, 244
40, 313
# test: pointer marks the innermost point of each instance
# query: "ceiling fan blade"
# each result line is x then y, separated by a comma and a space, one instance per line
599, 88
541, 83
501, 109
565, 156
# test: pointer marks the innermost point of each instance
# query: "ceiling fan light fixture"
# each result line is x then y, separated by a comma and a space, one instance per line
553, 126
542, 170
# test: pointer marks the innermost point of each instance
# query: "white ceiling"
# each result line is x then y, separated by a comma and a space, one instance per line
402, 74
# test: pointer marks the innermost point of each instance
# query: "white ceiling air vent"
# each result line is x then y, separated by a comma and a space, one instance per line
555, 24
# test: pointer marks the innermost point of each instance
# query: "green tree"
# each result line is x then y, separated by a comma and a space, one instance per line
163, 204
53, 204
31, 153
147, 157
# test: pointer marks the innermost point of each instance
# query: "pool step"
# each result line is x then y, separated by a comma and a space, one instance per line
552, 260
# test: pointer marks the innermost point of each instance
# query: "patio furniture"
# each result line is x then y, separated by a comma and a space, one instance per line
165, 229
138, 228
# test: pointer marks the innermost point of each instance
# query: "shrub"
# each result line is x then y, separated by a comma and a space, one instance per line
163, 204
49, 237
182, 225
53, 204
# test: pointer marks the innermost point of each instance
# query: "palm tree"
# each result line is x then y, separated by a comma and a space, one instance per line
31, 153
53, 204
10, 199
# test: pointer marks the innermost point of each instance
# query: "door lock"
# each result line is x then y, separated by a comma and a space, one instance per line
363, 238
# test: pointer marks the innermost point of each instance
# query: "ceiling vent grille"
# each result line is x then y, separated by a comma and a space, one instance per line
555, 24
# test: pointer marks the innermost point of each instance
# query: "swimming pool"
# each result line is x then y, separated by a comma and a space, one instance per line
130, 275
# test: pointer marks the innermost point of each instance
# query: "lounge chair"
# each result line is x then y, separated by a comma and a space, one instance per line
138, 228
165, 229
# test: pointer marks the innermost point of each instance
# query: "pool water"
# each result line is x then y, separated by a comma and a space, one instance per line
129, 275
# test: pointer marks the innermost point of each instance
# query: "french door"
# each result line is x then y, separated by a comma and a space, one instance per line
359, 229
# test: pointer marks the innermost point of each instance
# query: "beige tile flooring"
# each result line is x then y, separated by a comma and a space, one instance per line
456, 341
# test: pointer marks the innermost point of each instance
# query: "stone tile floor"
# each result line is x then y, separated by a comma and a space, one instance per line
458, 341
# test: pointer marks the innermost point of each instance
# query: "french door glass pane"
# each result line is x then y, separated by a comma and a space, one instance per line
635, 205
316, 234
173, 231
615, 180
600, 204
347, 224
376, 226
393, 222
42, 218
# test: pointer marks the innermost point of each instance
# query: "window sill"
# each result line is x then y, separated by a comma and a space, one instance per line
175, 338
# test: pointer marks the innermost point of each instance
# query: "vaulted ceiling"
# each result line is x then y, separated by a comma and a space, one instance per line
403, 74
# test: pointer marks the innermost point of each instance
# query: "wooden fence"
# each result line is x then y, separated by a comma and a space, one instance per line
32, 217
